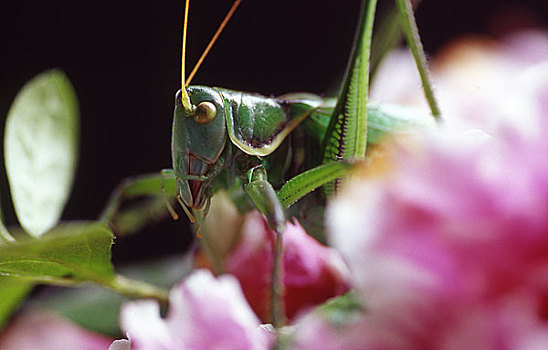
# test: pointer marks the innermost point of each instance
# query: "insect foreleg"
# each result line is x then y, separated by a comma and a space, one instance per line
168, 174
211, 174
146, 185
264, 197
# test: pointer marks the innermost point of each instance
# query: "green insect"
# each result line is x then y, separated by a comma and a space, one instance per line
280, 149
214, 127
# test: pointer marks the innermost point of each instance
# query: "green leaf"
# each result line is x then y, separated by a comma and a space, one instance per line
97, 308
40, 145
72, 252
91, 307
12, 292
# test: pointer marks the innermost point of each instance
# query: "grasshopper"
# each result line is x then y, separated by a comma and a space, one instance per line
277, 149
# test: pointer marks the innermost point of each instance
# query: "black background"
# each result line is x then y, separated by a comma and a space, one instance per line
124, 60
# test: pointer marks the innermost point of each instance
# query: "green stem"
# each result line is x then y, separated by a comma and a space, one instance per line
120, 284
411, 31
136, 289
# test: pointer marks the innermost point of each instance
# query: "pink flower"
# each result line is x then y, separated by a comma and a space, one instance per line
478, 80
312, 272
449, 250
47, 331
120, 344
205, 312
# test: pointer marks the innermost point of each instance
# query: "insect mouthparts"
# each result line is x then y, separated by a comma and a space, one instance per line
186, 210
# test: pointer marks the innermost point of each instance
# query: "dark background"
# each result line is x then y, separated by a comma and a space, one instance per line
124, 60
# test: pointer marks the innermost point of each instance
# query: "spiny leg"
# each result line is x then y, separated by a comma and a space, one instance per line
388, 35
308, 181
409, 26
346, 136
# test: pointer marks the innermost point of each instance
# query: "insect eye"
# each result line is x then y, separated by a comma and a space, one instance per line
205, 112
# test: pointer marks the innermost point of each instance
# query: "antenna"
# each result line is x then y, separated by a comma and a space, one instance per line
211, 42
185, 99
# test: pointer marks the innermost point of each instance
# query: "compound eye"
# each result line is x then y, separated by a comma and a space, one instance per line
205, 112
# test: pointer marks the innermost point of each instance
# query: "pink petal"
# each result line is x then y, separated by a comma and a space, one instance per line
47, 331
204, 313
312, 272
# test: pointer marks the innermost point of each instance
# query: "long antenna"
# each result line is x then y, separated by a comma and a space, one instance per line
211, 42
185, 99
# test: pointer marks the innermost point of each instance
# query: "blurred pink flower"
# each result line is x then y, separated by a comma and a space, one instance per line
477, 79
312, 272
120, 344
47, 331
449, 249
205, 312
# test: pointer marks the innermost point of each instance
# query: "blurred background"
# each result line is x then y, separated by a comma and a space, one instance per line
123, 59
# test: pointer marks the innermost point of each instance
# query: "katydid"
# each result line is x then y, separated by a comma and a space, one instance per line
214, 127
278, 148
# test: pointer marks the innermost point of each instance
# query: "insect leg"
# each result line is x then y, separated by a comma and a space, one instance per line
265, 199
146, 185
346, 135
168, 174
409, 26
308, 181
